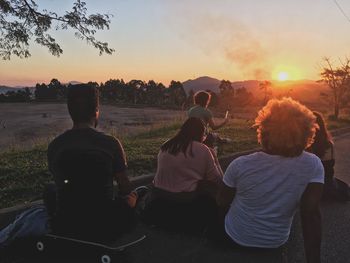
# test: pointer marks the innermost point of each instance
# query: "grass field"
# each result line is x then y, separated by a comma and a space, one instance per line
23, 173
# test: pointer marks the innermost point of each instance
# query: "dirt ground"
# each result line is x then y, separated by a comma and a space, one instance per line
27, 124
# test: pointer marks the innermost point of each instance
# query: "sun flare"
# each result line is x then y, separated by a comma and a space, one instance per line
283, 76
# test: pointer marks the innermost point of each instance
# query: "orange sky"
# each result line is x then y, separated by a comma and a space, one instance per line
165, 40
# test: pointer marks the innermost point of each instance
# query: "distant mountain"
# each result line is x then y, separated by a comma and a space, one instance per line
4, 89
73, 82
202, 83
302, 90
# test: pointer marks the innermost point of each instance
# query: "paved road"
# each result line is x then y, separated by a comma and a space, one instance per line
335, 217
342, 154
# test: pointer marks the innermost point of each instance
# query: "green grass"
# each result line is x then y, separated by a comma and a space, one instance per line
23, 173
336, 124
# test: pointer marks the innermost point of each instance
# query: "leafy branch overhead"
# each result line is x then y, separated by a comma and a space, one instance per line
21, 21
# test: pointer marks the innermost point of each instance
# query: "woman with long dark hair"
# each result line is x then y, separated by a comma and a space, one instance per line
323, 143
323, 147
188, 175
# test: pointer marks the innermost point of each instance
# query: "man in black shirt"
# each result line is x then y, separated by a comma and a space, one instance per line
84, 163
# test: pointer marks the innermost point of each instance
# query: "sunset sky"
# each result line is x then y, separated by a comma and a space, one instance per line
185, 39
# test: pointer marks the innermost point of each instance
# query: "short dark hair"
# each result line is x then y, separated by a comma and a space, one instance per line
82, 102
202, 98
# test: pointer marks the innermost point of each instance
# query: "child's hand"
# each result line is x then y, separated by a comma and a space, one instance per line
131, 199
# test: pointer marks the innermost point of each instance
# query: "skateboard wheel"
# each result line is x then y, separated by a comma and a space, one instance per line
40, 246
106, 259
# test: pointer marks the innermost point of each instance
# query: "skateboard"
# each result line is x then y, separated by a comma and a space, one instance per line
107, 250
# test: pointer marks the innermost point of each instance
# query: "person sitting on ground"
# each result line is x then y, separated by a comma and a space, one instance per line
261, 191
84, 162
186, 181
201, 111
323, 147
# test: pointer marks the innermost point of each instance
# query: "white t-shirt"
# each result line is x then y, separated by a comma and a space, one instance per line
268, 191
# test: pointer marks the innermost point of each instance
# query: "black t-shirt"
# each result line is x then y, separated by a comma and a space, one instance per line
83, 163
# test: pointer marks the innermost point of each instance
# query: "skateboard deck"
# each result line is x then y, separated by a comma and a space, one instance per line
105, 251
97, 244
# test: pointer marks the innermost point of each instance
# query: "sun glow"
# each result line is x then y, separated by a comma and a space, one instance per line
283, 76
284, 73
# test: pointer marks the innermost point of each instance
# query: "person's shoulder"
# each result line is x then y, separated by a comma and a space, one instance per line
208, 110
196, 109
243, 160
193, 107
200, 146
108, 138
59, 139
308, 156
311, 159
250, 157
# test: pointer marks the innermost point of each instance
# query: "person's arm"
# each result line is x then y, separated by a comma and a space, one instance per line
124, 184
126, 188
216, 126
216, 162
120, 175
311, 221
224, 199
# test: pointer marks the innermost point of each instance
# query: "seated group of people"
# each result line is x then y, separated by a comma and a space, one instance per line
252, 204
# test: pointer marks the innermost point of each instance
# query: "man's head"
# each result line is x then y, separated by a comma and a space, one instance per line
285, 127
83, 103
202, 98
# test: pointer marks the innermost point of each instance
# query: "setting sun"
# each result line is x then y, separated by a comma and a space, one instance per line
283, 76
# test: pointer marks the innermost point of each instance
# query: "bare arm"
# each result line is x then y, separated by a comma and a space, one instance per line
218, 126
217, 163
124, 184
224, 198
311, 221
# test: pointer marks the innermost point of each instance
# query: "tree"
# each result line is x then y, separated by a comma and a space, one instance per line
338, 80
265, 87
177, 94
22, 20
20, 95
57, 89
227, 95
52, 92
225, 85
243, 97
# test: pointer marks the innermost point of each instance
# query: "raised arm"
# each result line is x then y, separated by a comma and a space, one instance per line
216, 126
311, 221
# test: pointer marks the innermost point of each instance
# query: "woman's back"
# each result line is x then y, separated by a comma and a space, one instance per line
181, 173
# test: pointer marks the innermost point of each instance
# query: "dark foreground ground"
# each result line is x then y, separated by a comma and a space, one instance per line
160, 247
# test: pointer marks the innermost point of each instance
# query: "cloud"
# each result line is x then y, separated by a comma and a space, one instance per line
217, 34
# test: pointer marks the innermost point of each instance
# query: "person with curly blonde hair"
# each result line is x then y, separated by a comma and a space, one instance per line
262, 191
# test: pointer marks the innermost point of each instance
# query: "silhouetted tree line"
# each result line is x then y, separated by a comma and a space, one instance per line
140, 92
135, 92
113, 90
22, 95
231, 97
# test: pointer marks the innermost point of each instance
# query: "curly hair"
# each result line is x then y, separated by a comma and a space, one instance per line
285, 127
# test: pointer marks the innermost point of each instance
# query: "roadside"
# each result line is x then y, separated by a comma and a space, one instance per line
174, 247
335, 216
